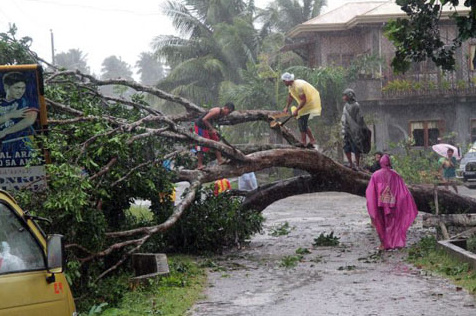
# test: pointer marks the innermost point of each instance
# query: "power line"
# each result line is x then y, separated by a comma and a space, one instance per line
95, 8
14, 10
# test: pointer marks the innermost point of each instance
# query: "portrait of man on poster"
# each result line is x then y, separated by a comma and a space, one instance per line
20, 108
17, 113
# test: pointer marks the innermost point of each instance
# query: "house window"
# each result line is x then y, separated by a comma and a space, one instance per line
473, 130
343, 60
426, 133
347, 60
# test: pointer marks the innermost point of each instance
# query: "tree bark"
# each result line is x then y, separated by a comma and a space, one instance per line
324, 175
353, 184
467, 220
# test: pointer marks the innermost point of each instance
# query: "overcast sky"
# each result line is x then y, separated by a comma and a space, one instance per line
99, 28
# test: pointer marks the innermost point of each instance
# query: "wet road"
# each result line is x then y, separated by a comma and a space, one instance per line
351, 279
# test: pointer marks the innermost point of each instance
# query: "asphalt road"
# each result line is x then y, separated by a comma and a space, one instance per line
351, 279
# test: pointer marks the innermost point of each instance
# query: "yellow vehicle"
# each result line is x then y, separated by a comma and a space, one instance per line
32, 281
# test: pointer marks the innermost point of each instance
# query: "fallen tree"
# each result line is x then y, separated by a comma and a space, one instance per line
108, 150
324, 173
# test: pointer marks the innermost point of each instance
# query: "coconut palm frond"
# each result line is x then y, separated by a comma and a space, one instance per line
220, 40
176, 50
213, 65
195, 92
190, 70
254, 92
318, 6
184, 19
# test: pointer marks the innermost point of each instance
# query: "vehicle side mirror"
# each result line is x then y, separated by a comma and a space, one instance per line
55, 253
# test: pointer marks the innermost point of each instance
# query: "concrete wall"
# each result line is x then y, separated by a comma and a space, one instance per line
352, 42
367, 89
392, 117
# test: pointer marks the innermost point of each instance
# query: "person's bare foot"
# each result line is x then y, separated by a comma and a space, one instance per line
200, 167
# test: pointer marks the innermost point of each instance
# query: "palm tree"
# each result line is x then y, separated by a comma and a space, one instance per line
283, 15
150, 69
258, 91
114, 67
72, 60
217, 40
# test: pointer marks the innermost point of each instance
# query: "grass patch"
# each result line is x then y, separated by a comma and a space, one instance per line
276, 174
170, 295
141, 212
212, 265
425, 255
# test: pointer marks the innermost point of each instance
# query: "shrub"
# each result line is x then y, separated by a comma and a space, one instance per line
415, 166
210, 224
471, 243
420, 250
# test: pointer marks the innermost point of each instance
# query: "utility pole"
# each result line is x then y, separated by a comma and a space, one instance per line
52, 48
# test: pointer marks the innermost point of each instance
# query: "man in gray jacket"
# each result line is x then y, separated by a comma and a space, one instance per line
353, 127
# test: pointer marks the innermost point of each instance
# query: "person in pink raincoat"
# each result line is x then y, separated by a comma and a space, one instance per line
390, 205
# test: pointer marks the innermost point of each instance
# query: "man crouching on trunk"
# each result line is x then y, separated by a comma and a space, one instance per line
204, 127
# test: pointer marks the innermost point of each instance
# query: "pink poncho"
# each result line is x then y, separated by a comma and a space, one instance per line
390, 205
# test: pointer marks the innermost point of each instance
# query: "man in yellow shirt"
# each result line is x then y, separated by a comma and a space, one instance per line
309, 104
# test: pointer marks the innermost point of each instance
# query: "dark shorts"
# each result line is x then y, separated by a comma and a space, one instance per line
350, 147
302, 123
206, 134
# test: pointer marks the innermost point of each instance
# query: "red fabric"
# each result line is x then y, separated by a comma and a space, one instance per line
206, 134
221, 185
390, 206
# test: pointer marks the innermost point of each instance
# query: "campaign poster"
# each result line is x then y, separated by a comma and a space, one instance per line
22, 118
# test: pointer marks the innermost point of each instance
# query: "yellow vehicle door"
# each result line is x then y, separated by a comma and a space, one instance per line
26, 287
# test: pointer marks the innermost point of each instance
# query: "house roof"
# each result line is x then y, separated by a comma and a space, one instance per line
351, 14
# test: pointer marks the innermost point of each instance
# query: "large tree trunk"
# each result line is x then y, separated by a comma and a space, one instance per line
423, 195
324, 175
431, 220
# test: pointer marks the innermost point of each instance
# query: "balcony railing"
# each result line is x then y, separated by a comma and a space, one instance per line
429, 92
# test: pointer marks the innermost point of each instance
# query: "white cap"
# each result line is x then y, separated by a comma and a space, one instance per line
287, 76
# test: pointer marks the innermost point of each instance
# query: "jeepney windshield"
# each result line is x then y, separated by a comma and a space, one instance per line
19, 250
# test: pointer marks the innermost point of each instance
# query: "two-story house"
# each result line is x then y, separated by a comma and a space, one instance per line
424, 104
